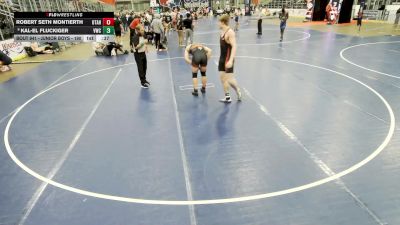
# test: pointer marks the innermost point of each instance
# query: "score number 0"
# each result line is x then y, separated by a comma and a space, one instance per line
108, 21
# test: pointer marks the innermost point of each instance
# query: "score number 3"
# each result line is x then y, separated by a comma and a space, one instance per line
108, 30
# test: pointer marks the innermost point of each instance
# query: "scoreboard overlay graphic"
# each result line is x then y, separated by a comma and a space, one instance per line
64, 26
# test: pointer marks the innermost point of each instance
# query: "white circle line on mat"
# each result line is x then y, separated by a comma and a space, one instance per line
365, 68
207, 201
307, 36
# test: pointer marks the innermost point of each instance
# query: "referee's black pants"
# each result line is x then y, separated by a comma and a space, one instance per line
141, 62
157, 40
259, 25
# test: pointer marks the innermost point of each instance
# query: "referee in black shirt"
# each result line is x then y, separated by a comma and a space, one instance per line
140, 48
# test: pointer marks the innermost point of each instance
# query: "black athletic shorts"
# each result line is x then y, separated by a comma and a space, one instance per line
118, 33
359, 21
221, 67
199, 60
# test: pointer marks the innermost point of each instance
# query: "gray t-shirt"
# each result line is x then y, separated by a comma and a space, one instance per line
157, 26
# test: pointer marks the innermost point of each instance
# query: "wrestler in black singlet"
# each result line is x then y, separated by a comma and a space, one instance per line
226, 50
199, 57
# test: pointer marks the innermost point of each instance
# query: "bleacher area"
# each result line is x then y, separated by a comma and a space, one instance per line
292, 4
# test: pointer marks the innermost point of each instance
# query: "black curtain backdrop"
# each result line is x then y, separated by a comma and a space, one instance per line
319, 10
345, 12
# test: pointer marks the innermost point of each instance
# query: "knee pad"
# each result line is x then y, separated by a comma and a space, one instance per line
194, 75
203, 74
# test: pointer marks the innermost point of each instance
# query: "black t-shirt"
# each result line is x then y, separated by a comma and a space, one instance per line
180, 24
130, 19
117, 24
188, 24
168, 19
123, 19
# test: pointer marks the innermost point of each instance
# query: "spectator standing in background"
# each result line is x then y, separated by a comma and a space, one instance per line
188, 25
396, 21
118, 28
236, 21
124, 21
180, 30
359, 18
259, 23
129, 19
175, 17
158, 30
148, 33
328, 10
167, 23
131, 32
283, 16
149, 17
